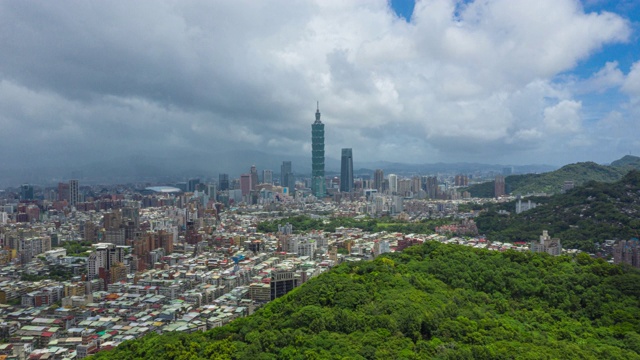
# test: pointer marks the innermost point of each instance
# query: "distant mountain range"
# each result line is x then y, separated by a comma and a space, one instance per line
553, 181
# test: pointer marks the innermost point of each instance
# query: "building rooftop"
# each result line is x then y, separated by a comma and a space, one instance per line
163, 189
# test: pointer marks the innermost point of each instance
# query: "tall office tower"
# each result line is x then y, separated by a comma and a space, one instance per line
499, 186
267, 177
254, 177
378, 179
234, 184
432, 187
287, 179
245, 184
404, 187
416, 184
193, 185
393, 184
317, 157
346, 171
26, 192
424, 179
285, 168
63, 191
74, 195
223, 182
212, 191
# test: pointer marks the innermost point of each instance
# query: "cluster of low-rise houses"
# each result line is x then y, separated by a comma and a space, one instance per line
194, 294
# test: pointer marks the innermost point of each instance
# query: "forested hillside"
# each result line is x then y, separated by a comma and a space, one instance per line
552, 182
433, 301
585, 215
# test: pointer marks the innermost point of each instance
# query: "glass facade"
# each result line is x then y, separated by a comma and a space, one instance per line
318, 187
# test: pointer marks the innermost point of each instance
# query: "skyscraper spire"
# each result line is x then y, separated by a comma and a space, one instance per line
318, 113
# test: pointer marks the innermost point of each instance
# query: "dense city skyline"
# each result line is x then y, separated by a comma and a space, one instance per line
208, 84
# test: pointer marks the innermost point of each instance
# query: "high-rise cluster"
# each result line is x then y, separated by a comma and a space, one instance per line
318, 181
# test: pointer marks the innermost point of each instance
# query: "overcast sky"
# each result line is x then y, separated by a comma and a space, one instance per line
504, 81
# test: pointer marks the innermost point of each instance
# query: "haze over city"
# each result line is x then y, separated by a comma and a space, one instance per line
214, 84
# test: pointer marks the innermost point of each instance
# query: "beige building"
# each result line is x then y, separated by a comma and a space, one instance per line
547, 244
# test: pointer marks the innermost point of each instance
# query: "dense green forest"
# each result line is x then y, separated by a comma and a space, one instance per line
432, 301
583, 216
303, 223
551, 182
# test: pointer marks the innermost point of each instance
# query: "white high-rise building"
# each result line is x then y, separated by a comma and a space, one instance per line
267, 177
398, 204
104, 255
307, 247
379, 204
393, 183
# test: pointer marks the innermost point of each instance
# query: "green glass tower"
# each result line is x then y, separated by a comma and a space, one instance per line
317, 157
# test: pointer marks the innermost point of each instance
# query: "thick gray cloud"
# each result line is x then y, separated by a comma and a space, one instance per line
84, 81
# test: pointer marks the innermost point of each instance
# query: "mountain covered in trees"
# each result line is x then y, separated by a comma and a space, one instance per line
627, 162
432, 301
552, 182
581, 217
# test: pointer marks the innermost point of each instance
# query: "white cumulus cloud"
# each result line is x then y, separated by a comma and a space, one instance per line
563, 117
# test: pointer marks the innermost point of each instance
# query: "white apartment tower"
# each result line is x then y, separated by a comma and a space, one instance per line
393, 184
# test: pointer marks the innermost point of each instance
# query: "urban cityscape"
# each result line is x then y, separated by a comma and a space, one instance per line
86, 268
381, 179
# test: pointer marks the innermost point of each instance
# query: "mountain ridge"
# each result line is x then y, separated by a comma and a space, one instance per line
553, 181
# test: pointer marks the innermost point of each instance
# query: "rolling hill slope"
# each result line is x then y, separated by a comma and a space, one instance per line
552, 182
432, 301
592, 213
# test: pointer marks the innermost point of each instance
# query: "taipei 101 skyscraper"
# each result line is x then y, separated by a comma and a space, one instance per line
317, 157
